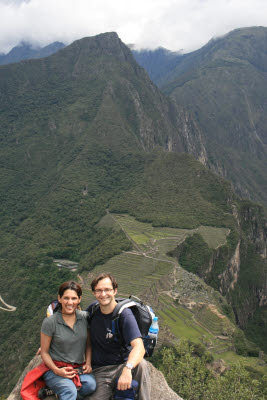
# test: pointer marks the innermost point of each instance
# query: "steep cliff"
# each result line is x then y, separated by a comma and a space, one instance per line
237, 269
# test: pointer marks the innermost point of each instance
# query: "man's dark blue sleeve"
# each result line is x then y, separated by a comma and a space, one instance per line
129, 327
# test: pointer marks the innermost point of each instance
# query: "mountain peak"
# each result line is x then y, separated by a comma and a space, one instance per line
107, 43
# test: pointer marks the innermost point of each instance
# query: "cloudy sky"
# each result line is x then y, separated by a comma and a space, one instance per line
175, 24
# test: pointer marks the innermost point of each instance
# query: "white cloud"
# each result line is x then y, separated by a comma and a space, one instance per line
174, 24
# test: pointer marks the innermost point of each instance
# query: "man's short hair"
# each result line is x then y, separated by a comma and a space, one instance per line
101, 276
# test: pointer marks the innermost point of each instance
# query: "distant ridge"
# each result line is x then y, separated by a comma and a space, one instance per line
25, 51
157, 62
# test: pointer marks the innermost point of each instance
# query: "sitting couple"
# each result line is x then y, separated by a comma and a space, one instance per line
67, 343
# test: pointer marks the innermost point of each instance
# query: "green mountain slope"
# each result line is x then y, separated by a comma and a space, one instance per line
83, 131
224, 85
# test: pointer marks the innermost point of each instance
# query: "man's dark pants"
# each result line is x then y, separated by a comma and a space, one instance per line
106, 379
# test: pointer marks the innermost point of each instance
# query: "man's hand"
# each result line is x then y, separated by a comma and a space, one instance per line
125, 379
87, 369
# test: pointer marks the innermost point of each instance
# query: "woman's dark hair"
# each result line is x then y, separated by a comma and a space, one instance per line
103, 276
70, 285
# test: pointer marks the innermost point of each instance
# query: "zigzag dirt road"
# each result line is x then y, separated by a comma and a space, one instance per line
8, 307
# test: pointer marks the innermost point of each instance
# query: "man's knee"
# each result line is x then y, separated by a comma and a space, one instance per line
141, 373
143, 363
142, 366
142, 376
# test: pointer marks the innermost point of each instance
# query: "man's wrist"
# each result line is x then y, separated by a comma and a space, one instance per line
129, 366
127, 372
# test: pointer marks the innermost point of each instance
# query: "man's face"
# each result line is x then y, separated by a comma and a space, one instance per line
104, 292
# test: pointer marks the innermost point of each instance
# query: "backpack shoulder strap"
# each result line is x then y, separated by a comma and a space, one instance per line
52, 308
121, 305
92, 309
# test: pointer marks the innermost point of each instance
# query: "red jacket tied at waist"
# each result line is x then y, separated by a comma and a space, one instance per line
32, 382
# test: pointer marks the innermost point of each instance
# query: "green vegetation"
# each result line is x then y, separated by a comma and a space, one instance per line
214, 237
195, 261
206, 204
113, 244
77, 133
185, 369
251, 275
196, 256
212, 83
256, 325
243, 346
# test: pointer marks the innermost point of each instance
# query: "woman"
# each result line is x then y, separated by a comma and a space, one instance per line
65, 344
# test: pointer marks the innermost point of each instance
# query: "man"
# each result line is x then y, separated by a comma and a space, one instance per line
112, 360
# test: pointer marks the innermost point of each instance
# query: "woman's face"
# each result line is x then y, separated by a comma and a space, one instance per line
69, 301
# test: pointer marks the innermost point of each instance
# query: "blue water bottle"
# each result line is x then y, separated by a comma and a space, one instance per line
154, 329
150, 340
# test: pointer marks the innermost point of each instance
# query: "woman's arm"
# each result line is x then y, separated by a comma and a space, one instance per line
87, 368
65, 372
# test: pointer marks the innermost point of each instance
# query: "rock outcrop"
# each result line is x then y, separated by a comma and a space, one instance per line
160, 389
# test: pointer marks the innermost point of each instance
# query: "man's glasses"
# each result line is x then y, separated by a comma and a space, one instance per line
99, 291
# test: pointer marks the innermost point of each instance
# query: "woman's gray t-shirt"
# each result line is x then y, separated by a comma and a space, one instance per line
67, 344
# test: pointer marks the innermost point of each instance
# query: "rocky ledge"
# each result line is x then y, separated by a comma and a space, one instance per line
160, 389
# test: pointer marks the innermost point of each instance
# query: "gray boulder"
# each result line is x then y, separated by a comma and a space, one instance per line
160, 389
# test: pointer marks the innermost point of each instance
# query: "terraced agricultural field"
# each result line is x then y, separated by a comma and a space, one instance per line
135, 273
185, 324
160, 240
144, 233
139, 271
180, 320
252, 362
213, 236
216, 324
